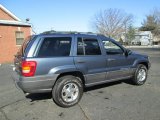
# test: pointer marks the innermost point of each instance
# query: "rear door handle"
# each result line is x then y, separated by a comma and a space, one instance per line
110, 59
80, 61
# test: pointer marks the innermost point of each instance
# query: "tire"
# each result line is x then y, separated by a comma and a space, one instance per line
67, 91
140, 75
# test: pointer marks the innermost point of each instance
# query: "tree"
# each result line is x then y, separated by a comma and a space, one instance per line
121, 40
152, 22
149, 24
130, 35
112, 22
156, 13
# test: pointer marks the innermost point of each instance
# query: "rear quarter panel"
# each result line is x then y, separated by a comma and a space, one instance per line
55, 65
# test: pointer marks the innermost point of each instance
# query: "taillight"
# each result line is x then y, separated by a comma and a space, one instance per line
28, 68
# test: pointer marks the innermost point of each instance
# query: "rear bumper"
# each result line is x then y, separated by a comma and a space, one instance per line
38, 84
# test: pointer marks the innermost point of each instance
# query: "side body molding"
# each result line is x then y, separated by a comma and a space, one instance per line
62, 69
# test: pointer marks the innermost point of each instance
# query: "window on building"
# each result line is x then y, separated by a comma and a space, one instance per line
87, 46
19, 37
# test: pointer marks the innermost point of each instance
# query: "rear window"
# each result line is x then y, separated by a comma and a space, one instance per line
55, 46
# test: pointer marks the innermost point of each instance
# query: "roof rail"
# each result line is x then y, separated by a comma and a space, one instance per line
66, 32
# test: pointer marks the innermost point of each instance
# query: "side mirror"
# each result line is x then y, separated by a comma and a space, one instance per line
128, 52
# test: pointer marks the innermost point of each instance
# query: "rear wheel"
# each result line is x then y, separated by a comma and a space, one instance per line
140, 76
67, 91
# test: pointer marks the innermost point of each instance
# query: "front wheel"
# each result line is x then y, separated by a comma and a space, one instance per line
67, 91
140, 75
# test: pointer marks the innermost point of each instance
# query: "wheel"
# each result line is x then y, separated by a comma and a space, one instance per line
140, 76
67, 91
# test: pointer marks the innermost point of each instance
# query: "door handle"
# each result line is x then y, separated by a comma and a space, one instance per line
80, 61
110, 59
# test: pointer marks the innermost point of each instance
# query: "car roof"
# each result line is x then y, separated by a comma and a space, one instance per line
48, 33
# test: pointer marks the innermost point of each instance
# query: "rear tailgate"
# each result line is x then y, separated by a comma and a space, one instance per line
20, 55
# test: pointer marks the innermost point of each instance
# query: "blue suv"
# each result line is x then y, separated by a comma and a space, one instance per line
63, 63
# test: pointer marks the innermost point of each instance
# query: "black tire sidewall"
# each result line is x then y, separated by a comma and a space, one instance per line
57, 90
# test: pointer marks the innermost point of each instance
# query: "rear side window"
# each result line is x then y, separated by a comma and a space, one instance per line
88, 46
55, 46
22, 50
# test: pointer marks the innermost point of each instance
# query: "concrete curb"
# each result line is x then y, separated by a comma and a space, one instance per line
142, 46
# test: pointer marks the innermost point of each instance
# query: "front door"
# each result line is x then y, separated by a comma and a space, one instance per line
118, 64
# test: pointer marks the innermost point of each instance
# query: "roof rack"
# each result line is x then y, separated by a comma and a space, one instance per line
66, 32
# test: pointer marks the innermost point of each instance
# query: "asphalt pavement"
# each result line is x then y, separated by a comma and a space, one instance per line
112, 101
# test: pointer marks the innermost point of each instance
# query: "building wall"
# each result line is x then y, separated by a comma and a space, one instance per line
8, 47
5, 16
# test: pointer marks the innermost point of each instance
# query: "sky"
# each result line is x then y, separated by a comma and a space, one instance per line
74, 15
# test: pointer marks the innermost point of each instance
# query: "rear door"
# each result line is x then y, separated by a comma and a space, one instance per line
89, 59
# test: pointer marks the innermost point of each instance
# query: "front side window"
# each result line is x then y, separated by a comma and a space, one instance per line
55, 46
88, 46
19, 37
111, 48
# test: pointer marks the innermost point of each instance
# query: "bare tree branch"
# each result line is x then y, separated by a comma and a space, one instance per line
112, 22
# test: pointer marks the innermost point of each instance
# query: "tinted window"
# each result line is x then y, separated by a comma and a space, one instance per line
87, 46
55, 46
111, 48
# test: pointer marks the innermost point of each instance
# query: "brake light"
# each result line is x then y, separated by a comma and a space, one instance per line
28, 68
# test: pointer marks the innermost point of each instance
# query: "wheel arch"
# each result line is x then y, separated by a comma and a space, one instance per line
144, 63
141, 61
73, 73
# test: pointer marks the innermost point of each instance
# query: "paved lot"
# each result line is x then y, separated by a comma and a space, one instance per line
114, 101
